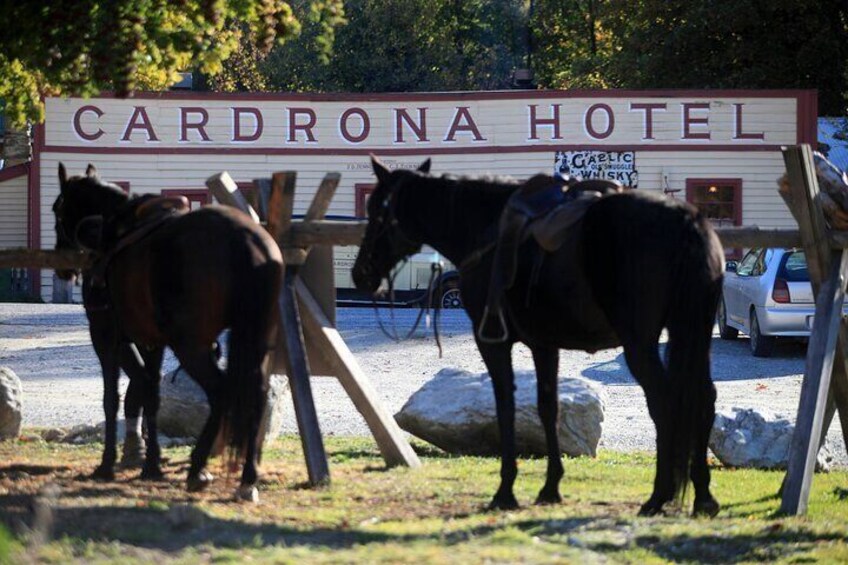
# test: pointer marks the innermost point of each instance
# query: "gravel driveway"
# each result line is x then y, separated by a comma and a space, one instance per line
49, 349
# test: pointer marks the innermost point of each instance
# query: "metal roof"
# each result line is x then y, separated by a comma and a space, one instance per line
833, 140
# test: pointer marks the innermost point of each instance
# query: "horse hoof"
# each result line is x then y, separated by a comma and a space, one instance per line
708, 508
247, 493
545, 498
152, 473
103, 473
199, 482
651, 508
133, 452
503, 502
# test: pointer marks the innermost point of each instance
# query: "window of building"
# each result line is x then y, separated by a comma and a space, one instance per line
363, 191
720, 200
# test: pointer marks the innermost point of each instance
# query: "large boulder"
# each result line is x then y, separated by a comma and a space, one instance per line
746, 437
11, 394
183, 409
455, 411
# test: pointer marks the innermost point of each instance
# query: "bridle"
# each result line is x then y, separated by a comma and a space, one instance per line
62, 231
400, 243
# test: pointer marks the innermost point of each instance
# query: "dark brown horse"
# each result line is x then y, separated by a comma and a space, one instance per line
635, 264
163, 278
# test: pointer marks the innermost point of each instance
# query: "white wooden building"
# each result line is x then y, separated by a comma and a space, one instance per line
718, 149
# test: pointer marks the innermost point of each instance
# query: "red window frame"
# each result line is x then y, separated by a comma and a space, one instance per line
362, 192
124, 184
694, 185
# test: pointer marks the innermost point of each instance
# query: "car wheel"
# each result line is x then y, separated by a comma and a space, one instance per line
761, 345
450, 297
725, 331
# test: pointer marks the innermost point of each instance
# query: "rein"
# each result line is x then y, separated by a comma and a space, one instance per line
435, 275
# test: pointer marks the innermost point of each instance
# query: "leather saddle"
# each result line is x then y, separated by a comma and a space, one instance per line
544, 208
135, 221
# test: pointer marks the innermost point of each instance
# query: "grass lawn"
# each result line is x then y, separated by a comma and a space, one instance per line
370, 514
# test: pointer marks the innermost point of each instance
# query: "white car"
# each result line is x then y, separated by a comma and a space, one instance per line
767, 295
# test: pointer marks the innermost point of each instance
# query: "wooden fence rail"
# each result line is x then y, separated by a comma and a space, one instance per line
338, 232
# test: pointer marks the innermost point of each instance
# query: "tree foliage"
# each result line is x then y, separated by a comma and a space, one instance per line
80, 47
408, 45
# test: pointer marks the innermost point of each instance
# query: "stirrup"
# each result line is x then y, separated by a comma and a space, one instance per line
496, 339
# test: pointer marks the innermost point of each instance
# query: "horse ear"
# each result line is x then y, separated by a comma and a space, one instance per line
63, 176
425, 166
379, 169
91, 171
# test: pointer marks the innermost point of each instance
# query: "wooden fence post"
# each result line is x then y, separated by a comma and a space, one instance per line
826, 353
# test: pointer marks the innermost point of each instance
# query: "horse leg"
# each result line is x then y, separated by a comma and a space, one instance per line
133, 451
498, 360
202, 367
646, 366
547, 365
150, 396
705, 504
111, 372
250, 475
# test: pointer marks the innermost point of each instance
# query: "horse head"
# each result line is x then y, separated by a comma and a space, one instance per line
384, 243
80, 209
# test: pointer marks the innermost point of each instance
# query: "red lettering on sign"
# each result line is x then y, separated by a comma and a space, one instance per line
139, 120
200, 125
78, 123
402, 118
257, 128
689, 120
648, 120
552, 121
462, 121
737, 130
366, 125
305, 128
589, 121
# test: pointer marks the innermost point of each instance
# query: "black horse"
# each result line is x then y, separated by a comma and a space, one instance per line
162, 278
635, 264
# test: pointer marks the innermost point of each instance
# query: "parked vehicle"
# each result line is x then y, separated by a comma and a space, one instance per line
410, 283
767, 295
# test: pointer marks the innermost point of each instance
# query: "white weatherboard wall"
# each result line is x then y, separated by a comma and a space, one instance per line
177, 140
13, 209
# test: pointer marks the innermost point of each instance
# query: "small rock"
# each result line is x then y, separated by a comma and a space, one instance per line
11, 399
185, 516
54, 435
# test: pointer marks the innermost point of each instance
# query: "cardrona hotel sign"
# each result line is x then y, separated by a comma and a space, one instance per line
418, 123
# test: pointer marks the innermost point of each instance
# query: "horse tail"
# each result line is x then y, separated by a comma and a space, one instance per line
697, 282
251, 332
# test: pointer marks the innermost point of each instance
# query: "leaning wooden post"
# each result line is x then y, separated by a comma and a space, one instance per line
828, 272
280, 209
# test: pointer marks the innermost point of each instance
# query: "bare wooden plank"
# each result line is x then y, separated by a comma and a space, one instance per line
23, 257
279, 210
814, 389
224, 189
390, 439
321, 202
803, 186
298, 372
756, 237
262, 193
326, 232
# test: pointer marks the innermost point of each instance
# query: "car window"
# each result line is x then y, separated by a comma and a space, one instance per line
794, 267
746, 267
761, 262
